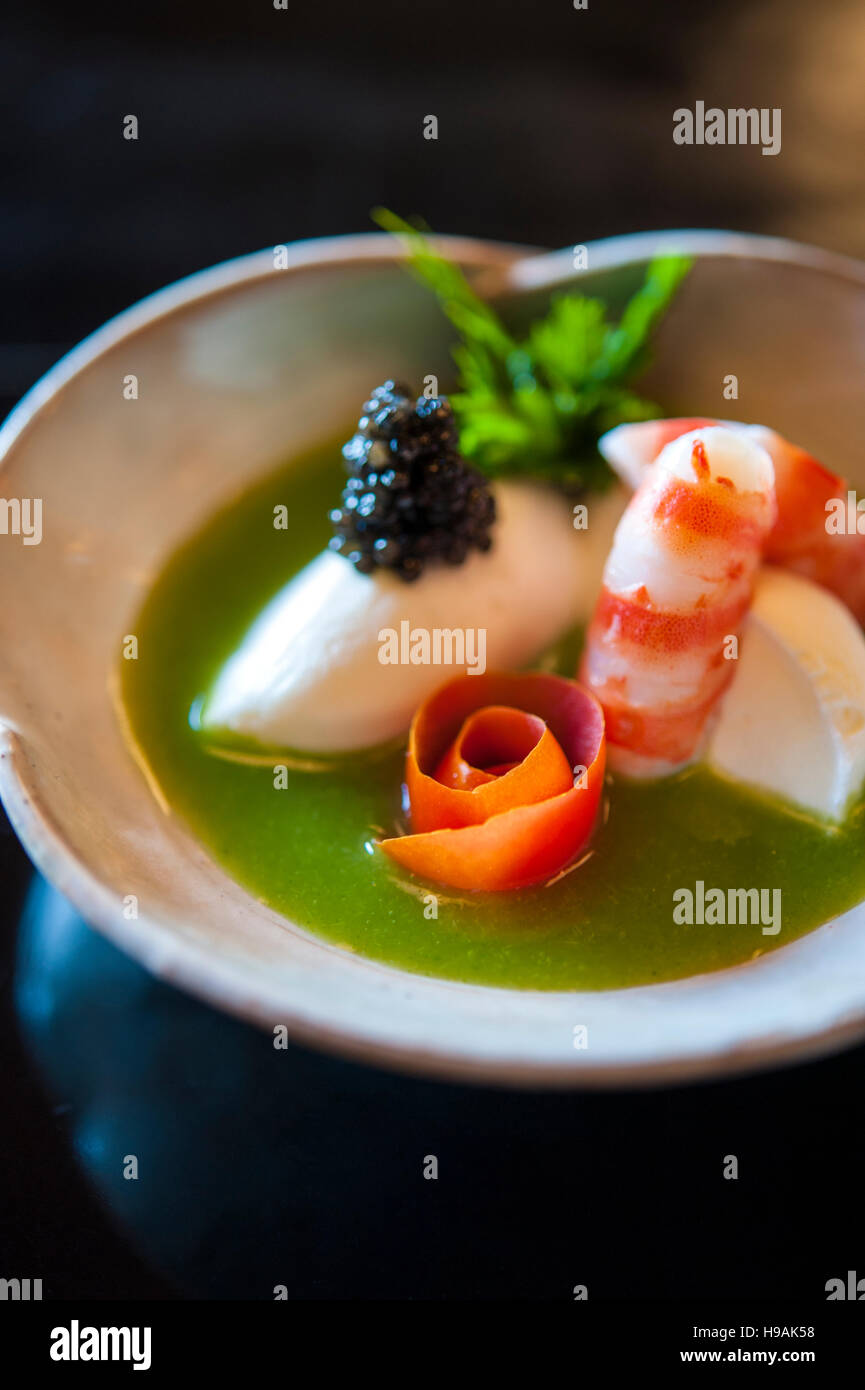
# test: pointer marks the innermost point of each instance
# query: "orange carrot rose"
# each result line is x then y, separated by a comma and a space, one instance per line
504, 776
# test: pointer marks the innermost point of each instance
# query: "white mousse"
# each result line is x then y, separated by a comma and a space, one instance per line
309, 674
793, 720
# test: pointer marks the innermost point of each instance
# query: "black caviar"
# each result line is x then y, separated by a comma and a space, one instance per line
410, 497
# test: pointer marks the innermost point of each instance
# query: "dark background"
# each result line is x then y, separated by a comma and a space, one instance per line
258, 127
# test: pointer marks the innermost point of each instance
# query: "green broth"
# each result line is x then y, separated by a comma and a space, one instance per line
306, 849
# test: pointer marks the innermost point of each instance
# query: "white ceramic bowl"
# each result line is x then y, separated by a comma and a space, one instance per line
234, 366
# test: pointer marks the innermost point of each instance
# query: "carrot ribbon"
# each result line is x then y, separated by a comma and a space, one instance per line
504, 776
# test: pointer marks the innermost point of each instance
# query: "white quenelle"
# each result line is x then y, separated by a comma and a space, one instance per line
793, 720
310, 674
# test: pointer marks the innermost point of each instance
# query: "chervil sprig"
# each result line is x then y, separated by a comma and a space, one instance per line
535, 406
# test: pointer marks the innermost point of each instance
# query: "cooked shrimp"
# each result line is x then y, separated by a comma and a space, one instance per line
800, 539
677, 586
631, 449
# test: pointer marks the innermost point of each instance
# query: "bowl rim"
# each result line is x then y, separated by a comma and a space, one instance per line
182, 962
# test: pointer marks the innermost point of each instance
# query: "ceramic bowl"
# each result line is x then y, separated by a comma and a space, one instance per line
235, 367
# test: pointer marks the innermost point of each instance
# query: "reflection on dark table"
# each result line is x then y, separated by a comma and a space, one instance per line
258, 1167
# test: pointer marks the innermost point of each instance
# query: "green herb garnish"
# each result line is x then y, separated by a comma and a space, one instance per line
536, 406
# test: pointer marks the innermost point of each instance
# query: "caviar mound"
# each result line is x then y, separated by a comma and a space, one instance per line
410, 498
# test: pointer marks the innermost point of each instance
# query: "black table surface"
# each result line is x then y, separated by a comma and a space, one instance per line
259, 126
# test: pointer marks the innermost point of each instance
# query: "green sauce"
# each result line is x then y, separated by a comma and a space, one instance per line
306, 849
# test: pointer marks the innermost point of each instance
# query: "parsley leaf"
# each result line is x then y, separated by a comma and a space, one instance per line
536, 407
